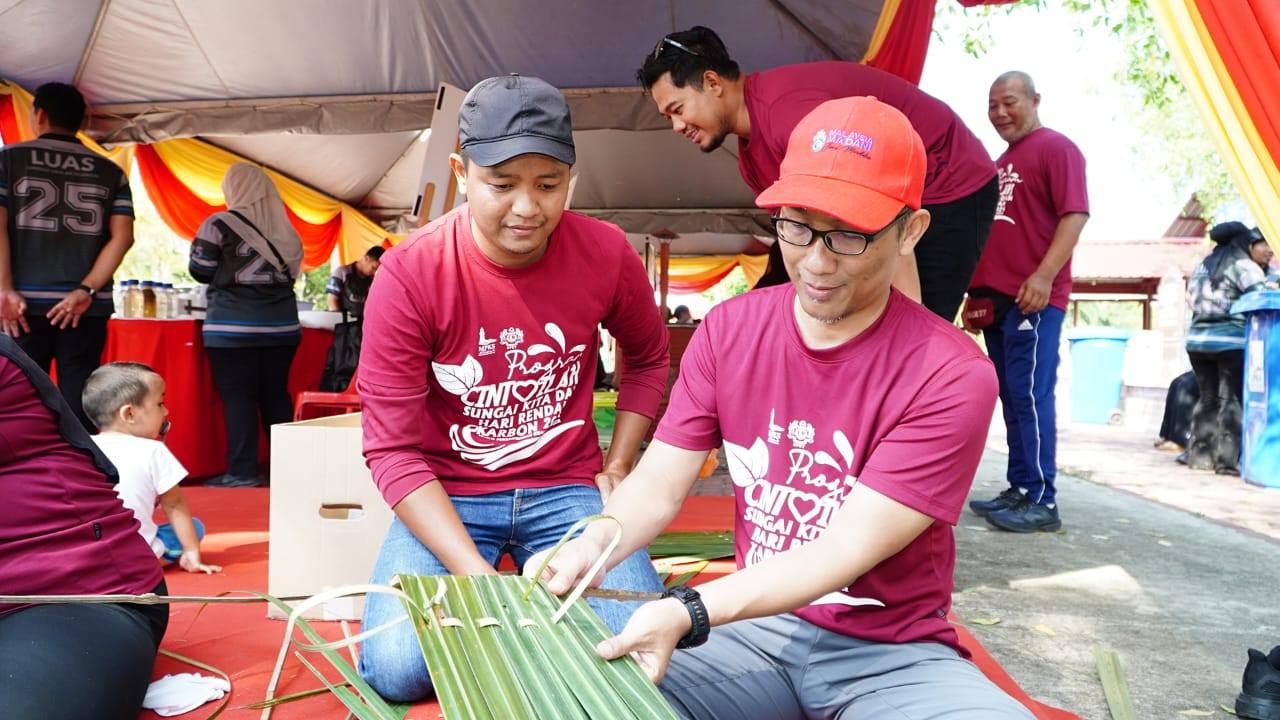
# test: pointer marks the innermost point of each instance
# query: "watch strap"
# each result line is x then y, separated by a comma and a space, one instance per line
700, 620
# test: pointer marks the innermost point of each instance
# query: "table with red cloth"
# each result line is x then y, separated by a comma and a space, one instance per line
175, 349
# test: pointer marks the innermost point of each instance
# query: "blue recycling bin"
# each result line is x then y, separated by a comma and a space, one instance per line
1097, 372
1260, 449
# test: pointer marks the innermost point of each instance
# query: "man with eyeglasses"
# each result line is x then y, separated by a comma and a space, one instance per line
853, 420
695, 83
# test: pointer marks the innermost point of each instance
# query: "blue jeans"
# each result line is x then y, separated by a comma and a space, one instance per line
515, 522
1024, 349
172, 546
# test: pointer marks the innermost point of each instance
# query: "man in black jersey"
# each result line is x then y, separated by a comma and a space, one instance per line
66, 222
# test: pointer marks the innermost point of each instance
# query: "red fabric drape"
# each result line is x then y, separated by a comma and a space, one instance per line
183, 211
1246, 34
905, 47
318, 241
8, 122
907, 43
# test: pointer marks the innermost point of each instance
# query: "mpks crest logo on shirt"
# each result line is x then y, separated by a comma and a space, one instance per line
486, 345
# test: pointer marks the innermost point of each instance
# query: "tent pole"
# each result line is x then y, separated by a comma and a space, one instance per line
93, 40
664, 281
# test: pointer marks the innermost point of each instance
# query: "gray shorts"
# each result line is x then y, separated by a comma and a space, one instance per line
783, 668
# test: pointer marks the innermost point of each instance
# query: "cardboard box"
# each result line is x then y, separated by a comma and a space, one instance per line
327, 517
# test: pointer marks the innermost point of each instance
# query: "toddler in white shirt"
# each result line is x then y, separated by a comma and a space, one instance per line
126, 401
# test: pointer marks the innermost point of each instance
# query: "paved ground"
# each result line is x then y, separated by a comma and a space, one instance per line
1126, 460
1177, 571
1179, 597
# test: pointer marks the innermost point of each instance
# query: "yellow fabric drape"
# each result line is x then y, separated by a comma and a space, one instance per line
201, 167
1202, 71
122, 156
888, 12
753, 267
695, 269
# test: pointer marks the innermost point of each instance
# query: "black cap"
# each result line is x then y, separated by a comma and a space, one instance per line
503, 117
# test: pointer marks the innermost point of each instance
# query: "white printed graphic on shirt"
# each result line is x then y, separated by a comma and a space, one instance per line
1009, 181
515, 417
794, 512
486, 346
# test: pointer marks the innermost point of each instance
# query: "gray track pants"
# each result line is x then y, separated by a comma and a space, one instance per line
783, 668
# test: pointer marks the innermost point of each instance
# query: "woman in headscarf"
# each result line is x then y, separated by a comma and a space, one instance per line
250, 256
1215, 344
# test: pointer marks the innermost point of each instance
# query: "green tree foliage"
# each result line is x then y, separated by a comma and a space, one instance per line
1105, 313
733, 285
1175, 138
157, 253
311, 289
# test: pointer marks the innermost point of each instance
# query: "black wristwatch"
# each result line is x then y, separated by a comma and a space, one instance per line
697, 615
88, 290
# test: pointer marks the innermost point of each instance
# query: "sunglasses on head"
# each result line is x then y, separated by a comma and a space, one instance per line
667, 41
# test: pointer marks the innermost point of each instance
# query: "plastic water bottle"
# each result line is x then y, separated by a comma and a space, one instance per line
164, 300
132, 299
148, 298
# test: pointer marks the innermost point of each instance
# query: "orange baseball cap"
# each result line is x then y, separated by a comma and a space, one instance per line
856, 159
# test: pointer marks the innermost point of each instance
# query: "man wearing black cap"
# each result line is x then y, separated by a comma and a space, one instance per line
479, 356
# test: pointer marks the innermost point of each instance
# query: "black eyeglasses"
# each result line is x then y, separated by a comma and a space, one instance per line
840, 242
664, 42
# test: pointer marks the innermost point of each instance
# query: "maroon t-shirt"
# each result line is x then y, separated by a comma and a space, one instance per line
63, 529
1041, 179
902, 408
958, 164
480, 375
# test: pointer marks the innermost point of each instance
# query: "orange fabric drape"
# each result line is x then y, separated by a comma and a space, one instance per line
328, 223
183, 211
180, 208
15, 126
1227, 53
1246, 34
699, 285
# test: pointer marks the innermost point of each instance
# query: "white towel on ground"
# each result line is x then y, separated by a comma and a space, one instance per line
184, 692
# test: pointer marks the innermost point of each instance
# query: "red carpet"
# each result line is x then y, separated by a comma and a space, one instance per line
241, 641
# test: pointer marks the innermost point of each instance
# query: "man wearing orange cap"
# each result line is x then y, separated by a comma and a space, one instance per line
853, 421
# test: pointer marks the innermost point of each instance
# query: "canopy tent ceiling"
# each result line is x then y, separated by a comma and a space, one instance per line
337, 94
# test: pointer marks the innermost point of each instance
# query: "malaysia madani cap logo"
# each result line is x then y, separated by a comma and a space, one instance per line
819, 140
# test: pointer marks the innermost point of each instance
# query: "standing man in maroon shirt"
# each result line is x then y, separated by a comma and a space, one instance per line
697, 85
1025, 273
